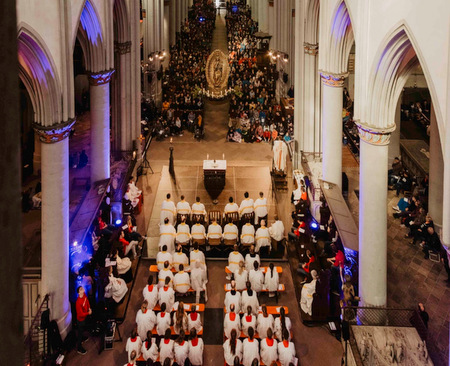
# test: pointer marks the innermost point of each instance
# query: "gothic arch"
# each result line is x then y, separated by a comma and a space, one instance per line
90, 36
38, 73
394, 63
340, 40
122, 31
312, 22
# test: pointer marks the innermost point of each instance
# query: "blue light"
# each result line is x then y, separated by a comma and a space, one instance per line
314, 225
234, 9
201, 19
118, 222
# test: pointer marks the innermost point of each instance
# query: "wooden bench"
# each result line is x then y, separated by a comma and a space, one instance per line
274, 310
172, 330
215, 215
260, 363
154, 268
227, 288
188, 307
230, 242
264, 269
214, 242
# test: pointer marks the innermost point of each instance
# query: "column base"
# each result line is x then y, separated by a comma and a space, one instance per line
65, 324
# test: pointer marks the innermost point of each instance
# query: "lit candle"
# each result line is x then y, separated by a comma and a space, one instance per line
207, 156
171, 139
223, 156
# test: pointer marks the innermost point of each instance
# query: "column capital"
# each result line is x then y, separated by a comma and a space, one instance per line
374, 135
122, 48
101, 77
311, 48
332, 79
55, 133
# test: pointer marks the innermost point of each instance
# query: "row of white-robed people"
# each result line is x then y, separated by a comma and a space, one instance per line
267, 339
248, 205
183, 234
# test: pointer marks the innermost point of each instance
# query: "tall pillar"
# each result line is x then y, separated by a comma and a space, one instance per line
55, 221
309, 111
394, 144
166, 38
123, 50
262, 15
100, 129
298, 92
332, 102
36, 155
173, 20
436, 187
373, 214
446, 196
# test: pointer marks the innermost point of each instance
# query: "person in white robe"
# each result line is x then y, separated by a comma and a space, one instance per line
198, 208
197, 255
286, 351
230, 231
260, 207
276, 230
308, 290
250, 258
199, 279
167, 235
280, 151
246, 206
165, 272
198, 232
123, 264
231, 321
149, 348
128, 197
250, 348
271, 280
183, 232
180, 258
279, 322
162, 321
195, 320
233, 297
116, 288
262, 237
214, 231
196, 346
232, 348
134, 343
37, 200
230, 207
150, 293
234, 258
241, 277
181, 281
145, 320
264, 321
248, 321
162, 257
269, 348
248, 234
166, 295
181, 349
180, 319
168, 210
183, 207
256, 278
134, 191
249, 298
166, 347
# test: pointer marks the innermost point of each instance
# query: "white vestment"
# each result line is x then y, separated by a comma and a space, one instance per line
168, 210
306, 299
233, 261
181, 282
162, 322
249, 259
183, 233
233, 299
230, 232
180, 258
271, 281
150, 352
248, 321
198, 209
246, 206
150, 293
135, 345
279, 154
230, 208
116, 288
286, 355
162, 277
198, 232
276, 231
260, 207
229, 357
197, 256
264, 323
123, 264
229, 325
181, 352
269, 353
145, 322
250, 351
195, 321
166, 349
241, 279
184, 208
167, 234
196, 352
248, 300
262, 238
256, 278
278, 331
166, 295
214, 231
162, 257
248, 234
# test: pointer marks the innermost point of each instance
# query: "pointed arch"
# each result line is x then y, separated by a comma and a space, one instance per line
122, 31
38, 73
395, 61
91, 38
340, 40
312, 22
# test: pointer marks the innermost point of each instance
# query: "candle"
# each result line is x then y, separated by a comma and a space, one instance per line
223, 156
207, 156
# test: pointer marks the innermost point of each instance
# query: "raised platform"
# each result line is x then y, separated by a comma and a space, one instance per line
189, 182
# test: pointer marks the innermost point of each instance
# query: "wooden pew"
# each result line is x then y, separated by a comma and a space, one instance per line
187, 307
227, 287
264, 269
274, 310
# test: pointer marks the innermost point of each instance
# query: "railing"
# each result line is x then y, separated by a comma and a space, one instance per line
381, 317
35, 346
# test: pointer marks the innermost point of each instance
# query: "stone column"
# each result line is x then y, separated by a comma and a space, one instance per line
298, 87
332, 102
173, 20
262, 15
124, 49
100, 129
36, 155
394, 144
166, 42
55, 221
309, 111
436, 187
373, 214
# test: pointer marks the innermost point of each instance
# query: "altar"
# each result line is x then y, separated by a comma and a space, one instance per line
214, 175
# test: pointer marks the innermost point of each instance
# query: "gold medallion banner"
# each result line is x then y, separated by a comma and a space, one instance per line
217, 71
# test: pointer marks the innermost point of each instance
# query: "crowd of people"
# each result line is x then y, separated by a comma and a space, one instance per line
182, 105
255, 115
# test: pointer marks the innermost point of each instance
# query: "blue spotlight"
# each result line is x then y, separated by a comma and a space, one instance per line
314, 225
118, 222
